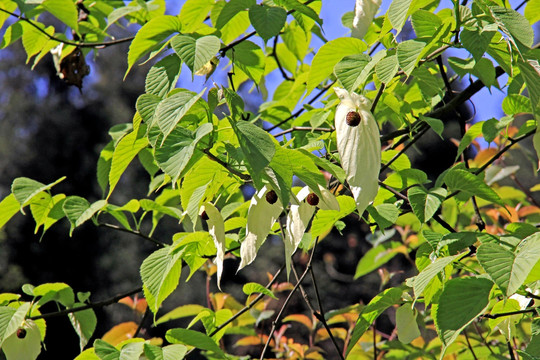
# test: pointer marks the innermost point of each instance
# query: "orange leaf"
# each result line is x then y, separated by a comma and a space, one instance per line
300, 318
483, 156
253, 340
136, 304
528, 210
120, 332
322, 334
511, 215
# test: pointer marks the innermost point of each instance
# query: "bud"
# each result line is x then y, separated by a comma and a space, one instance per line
312, 199
271, 197
204, 215
353, 118
21, 333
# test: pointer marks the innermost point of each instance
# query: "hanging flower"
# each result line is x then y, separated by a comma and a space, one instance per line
216, 229
359, 146
364, 12
263, 212
300, 215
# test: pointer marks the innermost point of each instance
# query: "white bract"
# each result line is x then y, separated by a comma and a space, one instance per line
359, 147
299, 216
26, 348
261, 216
364, 12
216, 229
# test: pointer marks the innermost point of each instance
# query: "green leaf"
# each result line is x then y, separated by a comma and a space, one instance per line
251, 288
385, 215
376, 257
408, 54
407, 328
181, 312
195, 52
461, 301
150, 36
257, 146
160, 273
193, 13
11, 319
64, 10
162, 77
249, 58
422, 280
516, 104
178, 153
106, 351
532, 11
34, 40
24, 189
387, 68
425, 203
328, 56
170, 111
324, 220
169, 352
398, 13
376, 307
124, 152
507, 269
462, 180
530, 71
425, 23
47, 211
476, 41
485, 71
8, 207
194, 338
84, 322
301, 8
353, 71
59, 292
78, 210
267, 20
472, 133
514, 24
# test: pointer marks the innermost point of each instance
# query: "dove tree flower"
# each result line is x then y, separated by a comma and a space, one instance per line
364, 12
262, 214
300, 215
216, 229
359, 146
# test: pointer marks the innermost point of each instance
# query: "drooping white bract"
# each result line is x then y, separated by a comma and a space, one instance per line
24, 348
261, 216
359, 147
364, 12
299, 216
216, 229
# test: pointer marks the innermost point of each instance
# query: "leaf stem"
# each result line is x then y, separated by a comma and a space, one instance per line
134, 232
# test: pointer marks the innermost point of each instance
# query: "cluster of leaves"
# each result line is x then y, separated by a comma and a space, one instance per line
475, 246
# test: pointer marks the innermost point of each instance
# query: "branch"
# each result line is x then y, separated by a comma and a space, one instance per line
103, 303
287, 300
274, 54
249, 306
242, 176
510, 313
69, 42
304, 128
134, 232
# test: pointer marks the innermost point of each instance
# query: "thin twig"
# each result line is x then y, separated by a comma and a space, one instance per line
469, 345
248, 306
511, 351
304, 128
68, 42
443, 223
510, 313
103, 303
134, 232
479, 332
287, 300
145, 316
377, 97
275, 55
211, 156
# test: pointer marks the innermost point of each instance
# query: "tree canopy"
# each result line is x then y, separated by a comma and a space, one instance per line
326, 158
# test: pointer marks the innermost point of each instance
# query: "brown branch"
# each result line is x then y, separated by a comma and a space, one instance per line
274, 54
134, 232
103, 303
304, 128
510, 313
211, 156
68, 42
249, 306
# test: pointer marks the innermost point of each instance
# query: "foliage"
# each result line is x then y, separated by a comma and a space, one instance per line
473, 239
